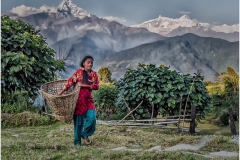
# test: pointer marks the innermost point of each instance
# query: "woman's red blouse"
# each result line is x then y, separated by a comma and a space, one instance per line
85, 101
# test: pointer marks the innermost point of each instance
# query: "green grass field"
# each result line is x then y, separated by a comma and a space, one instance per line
55, 141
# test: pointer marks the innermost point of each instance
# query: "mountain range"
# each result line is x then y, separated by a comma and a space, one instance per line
186, 54
73, 32
172, 27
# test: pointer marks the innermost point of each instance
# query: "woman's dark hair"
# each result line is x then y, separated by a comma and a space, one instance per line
84, 59
85, 74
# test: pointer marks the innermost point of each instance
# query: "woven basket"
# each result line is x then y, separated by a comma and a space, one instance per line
62, 106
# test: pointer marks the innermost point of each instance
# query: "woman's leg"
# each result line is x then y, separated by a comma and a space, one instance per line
78, 127
90, 123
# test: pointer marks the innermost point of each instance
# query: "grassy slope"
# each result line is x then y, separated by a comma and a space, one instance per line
56, 142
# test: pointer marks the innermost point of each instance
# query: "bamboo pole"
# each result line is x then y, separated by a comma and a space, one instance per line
126, 105
150, 120
131, 112
159, 126
186, 120
144, 124
188, 115
188, 97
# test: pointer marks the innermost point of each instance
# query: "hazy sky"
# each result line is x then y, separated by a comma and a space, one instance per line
137, 11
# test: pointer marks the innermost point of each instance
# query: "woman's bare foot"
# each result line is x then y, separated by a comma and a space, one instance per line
87, 140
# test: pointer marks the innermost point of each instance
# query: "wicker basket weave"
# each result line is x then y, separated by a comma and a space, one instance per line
62, 106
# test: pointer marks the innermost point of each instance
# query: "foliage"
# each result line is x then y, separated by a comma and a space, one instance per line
25, 119
207, 83
222, 103
104, 75
224, 117
216, 89
27, 61
218, 77
225, 94
162, 89
105, 99
231, 80
19, 102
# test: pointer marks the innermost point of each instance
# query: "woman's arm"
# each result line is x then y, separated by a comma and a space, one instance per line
95, 85
72, 80
61, 92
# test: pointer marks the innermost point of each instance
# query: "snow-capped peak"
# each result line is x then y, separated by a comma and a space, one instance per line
185, 17
69, 7
164, 25
66, 6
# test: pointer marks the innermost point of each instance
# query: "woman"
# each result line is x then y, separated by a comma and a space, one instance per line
85, 114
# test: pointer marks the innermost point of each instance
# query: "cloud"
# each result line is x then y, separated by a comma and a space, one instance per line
25, 11
111, 18
184, 12
97, 28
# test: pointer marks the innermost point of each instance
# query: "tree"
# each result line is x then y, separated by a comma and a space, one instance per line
229, 98
207, 83
162, 90
104, 75
27, 61
231, 80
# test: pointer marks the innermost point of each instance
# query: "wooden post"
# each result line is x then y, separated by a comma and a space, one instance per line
192, 123
231, 121
44, 104
179, 113
152, 114
198, 73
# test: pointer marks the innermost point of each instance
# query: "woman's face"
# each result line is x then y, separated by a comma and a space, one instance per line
88, 64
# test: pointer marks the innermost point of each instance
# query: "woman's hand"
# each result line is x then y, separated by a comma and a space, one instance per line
91, 81
74, 79
82, 85
60, 92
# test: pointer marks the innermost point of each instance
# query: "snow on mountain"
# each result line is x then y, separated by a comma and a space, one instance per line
227, 29
164, 25
66, 6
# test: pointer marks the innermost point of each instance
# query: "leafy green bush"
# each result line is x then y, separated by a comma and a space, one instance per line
105, 99
17, 103
26, 60
162, 89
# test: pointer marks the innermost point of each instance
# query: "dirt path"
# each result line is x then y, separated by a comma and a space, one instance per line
183, 146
